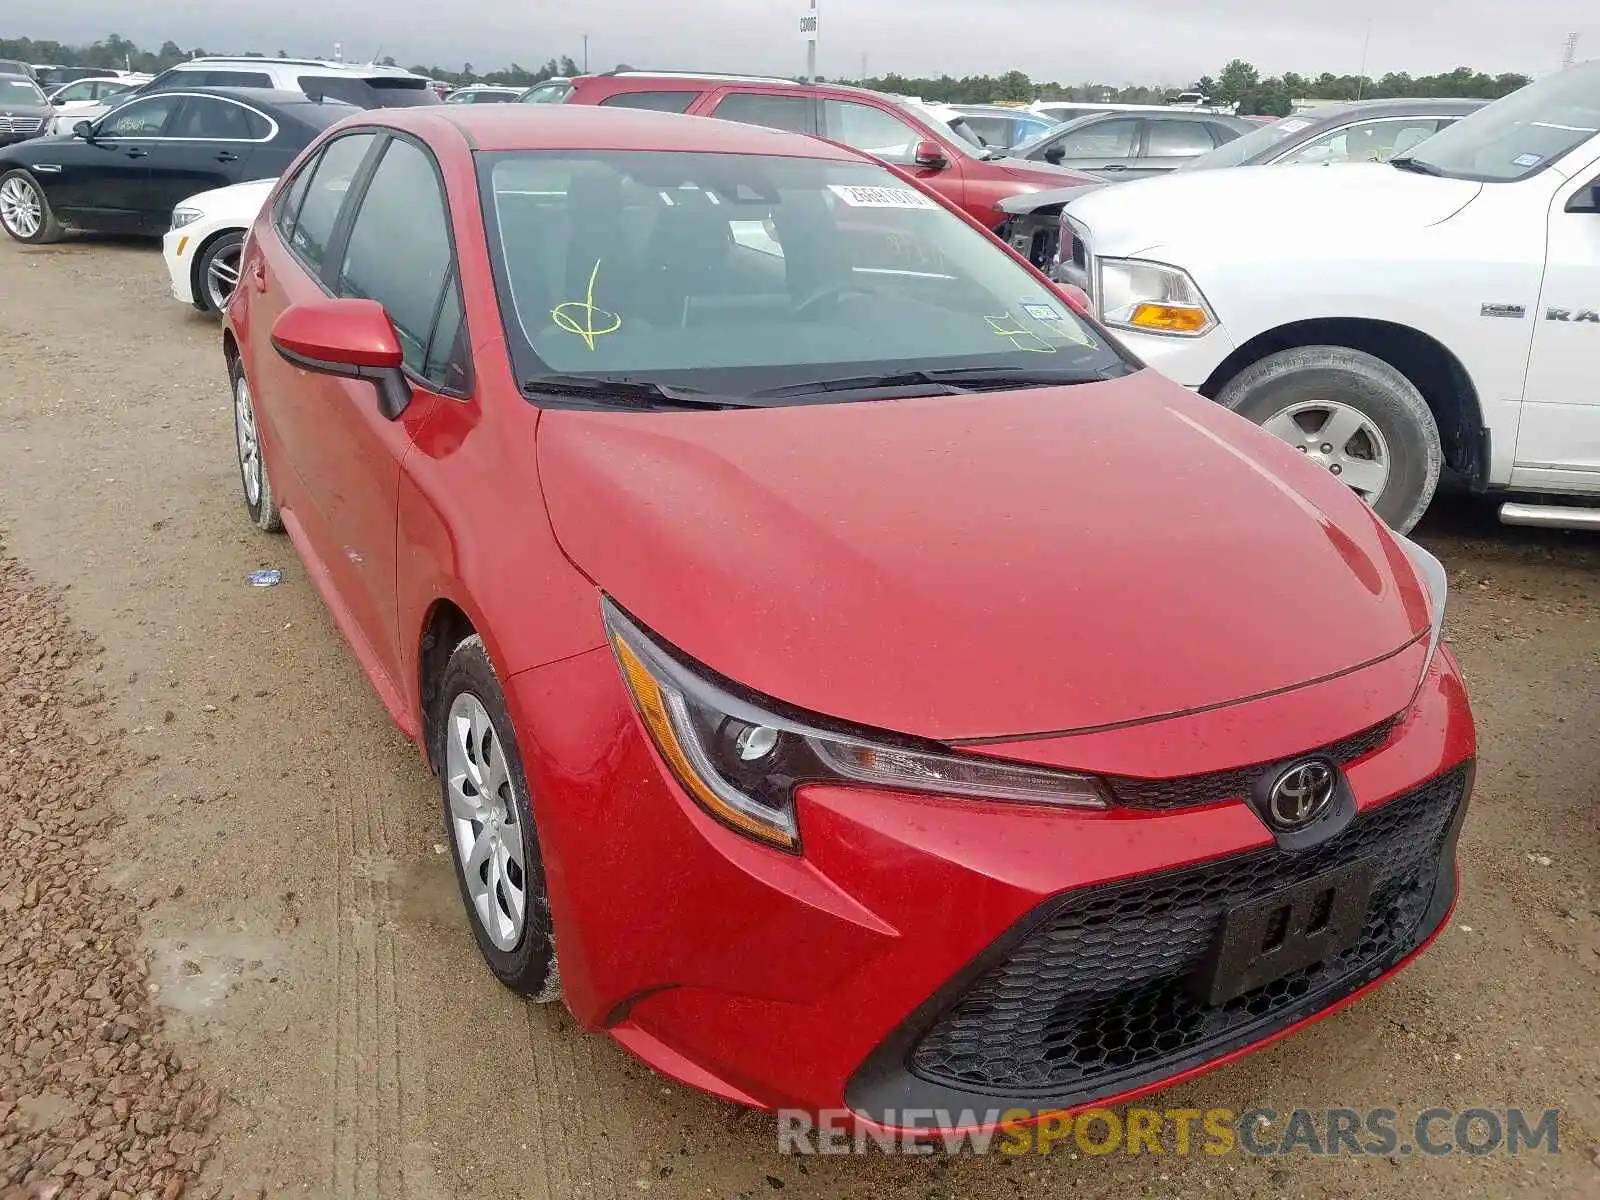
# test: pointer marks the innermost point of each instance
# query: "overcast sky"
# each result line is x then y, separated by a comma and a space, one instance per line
1070, 40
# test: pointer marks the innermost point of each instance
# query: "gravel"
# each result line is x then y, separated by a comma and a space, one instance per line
94, 1105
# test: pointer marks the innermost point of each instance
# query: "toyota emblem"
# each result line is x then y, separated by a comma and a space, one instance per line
1301, 794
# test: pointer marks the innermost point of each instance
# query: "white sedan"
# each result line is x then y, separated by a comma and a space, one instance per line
202, 247
87, 99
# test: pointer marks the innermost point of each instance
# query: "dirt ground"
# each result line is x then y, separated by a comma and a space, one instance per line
280, 845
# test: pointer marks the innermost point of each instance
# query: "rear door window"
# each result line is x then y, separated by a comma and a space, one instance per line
210, 118
1177, 139
244, 79
324, 197
675, 101
797, 114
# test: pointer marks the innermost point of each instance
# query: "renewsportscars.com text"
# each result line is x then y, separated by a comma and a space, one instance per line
1372, 1132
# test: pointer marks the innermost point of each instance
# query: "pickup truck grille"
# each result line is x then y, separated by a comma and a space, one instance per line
9, 124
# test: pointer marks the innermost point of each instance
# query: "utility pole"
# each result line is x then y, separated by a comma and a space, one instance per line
586, 54
1361, 75
1570, 54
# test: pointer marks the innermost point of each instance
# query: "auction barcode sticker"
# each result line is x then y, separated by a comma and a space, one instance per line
857, 196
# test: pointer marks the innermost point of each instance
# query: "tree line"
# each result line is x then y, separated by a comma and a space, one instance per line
1237, 83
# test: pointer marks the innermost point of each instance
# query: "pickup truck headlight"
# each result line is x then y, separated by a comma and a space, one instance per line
1434, 578
1151, 298
741, 760
185, 216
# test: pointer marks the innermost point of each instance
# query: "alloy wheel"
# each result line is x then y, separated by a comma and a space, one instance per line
249, 442
1339, 437
21, 207
222, 276
484, 822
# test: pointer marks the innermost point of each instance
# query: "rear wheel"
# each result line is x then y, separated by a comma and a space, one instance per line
1353, 414
216, 271
25, 212
257, 487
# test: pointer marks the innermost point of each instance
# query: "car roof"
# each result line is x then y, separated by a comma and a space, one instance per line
285, 64
494, 127
1394, 106
257, 97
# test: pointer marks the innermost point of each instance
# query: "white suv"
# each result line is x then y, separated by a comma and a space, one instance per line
1385, 320
365, 85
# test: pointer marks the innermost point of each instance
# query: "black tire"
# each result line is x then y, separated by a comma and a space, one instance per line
50, 229
529, 967
1367, 384
263, 507
219, 248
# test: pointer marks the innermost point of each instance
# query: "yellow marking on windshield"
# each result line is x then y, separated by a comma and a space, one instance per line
1022, 339
592, 316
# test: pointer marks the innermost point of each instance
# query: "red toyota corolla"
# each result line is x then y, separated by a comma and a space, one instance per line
876, 689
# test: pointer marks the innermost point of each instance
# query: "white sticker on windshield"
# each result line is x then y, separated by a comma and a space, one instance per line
1041, 312
1527, 160
880, 197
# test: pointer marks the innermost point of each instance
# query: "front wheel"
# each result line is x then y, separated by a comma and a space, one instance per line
25, 212
216, 271
1353, 414
489, 826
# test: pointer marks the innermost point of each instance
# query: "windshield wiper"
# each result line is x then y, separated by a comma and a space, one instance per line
956, 379
638, 392
1406, 163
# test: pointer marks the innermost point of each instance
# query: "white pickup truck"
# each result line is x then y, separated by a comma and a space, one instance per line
1386, 319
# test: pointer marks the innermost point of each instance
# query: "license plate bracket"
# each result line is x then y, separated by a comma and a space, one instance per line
1305, 923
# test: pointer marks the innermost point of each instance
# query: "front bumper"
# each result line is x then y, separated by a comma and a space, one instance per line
934, 953
177, 251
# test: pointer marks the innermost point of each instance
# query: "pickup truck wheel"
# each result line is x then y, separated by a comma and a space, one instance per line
1355, 415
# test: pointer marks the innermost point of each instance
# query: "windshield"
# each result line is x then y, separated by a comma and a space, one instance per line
1519, 135
734, 274
16, 90
1242, 149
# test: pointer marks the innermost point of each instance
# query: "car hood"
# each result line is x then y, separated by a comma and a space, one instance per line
26, 110
1029, 202
1044, 175
1256, 202
243, 200
982, 565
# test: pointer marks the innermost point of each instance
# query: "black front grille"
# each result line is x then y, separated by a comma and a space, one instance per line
1194, 790
1096, 998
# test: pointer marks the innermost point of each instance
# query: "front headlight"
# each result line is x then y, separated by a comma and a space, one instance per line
1434, 578
742, 761
1151, 298
185, 216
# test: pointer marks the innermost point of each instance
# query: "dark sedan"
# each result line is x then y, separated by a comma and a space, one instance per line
125, 172
1132, 144
23, 109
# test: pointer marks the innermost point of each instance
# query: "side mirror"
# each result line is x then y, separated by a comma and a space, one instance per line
1077, 299
930, 156
57, 101
84, 130
352, 338
1055, 154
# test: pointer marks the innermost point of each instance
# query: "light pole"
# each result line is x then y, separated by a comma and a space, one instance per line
808, 30
586, 54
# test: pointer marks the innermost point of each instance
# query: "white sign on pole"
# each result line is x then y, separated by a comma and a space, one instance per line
808, 25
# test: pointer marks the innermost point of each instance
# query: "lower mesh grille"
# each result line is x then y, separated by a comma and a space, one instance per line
1098, 994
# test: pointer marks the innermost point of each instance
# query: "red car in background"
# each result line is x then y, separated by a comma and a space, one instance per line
855, 686
896, 130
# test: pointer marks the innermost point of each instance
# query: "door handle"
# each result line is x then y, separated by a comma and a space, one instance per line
227, 156
1114, 167
136, 153
258, 276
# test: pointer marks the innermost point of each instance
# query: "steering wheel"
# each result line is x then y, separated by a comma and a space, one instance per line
833, 291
